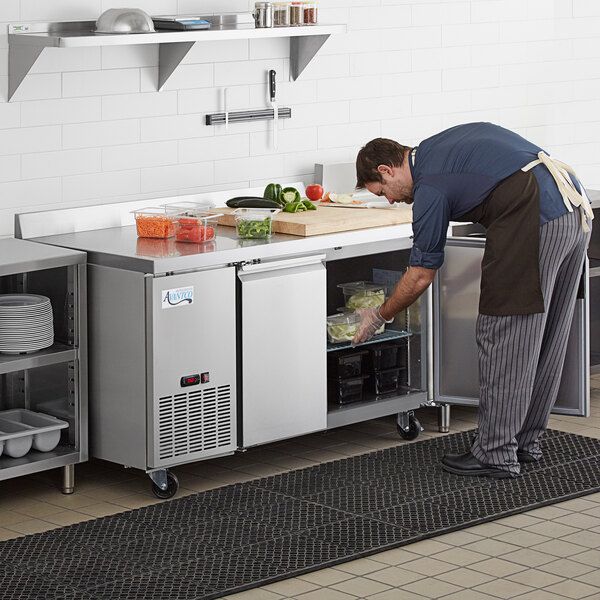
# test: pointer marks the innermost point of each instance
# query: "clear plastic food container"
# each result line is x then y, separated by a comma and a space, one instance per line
345, 309
361, 294
254, 223
196, 229
189, 209
155, 222
342, 327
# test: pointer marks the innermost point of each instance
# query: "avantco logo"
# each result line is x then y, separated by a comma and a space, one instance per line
178, 297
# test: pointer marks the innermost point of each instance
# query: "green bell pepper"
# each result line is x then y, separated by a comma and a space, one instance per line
308, 204
289, 194
272, 192
294, 207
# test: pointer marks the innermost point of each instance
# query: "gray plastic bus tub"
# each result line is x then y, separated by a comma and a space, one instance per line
21, 429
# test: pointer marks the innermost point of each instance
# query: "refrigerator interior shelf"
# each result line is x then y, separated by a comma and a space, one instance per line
386, 336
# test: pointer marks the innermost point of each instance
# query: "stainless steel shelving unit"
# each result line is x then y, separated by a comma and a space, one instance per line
26, 41
53, 380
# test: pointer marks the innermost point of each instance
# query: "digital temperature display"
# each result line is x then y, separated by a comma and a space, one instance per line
190, 380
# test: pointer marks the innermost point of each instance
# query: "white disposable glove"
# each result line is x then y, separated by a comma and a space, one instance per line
370, 321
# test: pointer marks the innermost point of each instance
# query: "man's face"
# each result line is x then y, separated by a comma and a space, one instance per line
395, 185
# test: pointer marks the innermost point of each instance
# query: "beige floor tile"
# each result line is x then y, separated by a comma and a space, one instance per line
39, 510
490, 529
7, 517
551, 529
7, 534
325, 577
497, 567
566, 568
548, 512
503, 588
591, 578
32, 526
540, 595
395, 576
428, 547
255, 594
535, 578
590, 557
468, 577
397, 594
578, 504
593, 512
492, 547
580, 520
360, 566
559, 548
325, 594
573, 589
361, 587
67, 517
522, 538
459, 538
529, 557
102, 509
432, 588
467, 595
460, 556
137, 501
397, 556
589, 539
291, 587
428, 566
520, 521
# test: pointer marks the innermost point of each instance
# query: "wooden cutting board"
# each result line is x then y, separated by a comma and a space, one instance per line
330, 220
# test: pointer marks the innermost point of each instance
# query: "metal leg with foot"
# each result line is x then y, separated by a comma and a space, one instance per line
68, 479
444, 418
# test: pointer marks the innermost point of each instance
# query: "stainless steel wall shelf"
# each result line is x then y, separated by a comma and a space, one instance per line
27, 41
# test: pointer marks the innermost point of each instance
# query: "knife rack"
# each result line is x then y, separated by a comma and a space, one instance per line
241, 116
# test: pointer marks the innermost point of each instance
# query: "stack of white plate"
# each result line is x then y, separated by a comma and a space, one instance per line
25, 323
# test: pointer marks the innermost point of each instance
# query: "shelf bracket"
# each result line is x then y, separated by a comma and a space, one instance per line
169, 58
19, 64
302, 51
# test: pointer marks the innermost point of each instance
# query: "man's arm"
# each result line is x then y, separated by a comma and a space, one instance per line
412, 284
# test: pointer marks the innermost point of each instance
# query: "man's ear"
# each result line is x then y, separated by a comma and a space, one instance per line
384, 170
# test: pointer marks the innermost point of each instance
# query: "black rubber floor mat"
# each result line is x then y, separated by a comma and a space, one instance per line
241, 536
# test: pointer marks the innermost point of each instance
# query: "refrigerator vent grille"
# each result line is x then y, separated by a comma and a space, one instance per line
194, 422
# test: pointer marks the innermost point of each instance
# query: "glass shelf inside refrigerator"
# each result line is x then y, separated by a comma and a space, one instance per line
386, 336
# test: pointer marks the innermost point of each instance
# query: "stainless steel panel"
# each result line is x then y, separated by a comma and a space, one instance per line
117, 366
456, 302
284, 366
193, 332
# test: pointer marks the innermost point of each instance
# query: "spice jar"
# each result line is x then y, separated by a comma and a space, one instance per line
281, 14
309, 13
296, 16
263, 14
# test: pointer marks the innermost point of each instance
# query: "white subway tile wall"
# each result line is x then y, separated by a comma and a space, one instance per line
88, 126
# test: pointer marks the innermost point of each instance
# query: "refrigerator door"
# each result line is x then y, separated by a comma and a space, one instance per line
284, 391
455, 309
191, 366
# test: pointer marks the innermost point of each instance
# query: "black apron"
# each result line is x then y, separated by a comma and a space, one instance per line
510, 269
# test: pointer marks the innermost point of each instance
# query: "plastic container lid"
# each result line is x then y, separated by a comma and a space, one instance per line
362, 286
254, 214
189, 208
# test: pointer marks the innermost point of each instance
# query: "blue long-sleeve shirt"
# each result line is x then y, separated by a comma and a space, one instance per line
455, 170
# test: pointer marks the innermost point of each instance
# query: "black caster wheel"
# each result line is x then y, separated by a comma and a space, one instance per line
414, 429
170, 491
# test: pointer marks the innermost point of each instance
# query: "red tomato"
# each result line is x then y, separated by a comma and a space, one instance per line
314, 192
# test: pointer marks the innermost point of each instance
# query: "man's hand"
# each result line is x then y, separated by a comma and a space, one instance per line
370, 322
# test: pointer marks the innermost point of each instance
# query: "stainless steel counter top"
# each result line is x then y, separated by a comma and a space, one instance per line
120, 247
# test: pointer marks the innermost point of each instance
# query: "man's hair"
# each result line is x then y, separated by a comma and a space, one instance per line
379, 151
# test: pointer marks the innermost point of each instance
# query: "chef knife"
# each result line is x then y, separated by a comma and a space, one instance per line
272, 95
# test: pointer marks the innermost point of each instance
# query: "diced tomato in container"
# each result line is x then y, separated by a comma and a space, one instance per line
197, 228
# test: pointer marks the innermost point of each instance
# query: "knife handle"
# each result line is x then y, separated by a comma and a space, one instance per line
272, 85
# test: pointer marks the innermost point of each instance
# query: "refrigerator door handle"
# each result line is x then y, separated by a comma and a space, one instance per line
276, 265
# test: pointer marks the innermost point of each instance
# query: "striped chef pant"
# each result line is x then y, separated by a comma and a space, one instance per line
521, 357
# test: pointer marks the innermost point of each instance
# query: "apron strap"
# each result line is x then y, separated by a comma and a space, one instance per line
571, 197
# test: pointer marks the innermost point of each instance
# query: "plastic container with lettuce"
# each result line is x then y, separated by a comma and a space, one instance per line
363, 294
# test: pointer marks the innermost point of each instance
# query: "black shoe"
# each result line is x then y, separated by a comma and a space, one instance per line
467, 464
526, 457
